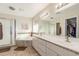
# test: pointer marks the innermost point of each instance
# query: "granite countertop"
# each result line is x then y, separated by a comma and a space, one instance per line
61, 41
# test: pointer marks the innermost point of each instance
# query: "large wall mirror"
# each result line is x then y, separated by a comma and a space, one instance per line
71, 27
35, 26
43, 27
46, 28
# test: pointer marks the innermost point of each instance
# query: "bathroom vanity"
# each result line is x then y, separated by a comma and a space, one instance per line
56, 39
55, 46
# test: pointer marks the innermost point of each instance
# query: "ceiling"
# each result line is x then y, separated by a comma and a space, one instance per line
22, 9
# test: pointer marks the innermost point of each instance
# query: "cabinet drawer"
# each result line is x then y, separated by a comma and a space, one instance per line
42, 42
51, 52
42, 48
35, 43
51, 46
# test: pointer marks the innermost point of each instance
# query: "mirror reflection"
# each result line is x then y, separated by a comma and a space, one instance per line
71, 27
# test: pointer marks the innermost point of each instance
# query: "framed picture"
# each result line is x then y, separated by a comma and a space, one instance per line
25, 26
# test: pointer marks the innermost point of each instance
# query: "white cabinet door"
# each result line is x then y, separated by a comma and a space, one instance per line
51, 52
42, 49
42, 42
52, 48
40, 46
35, 43
6, 40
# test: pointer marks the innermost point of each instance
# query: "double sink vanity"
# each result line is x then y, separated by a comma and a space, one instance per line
55, 45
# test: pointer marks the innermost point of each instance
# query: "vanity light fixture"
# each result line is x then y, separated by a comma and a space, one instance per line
11, 8
44, 15
58, 12
60, 5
